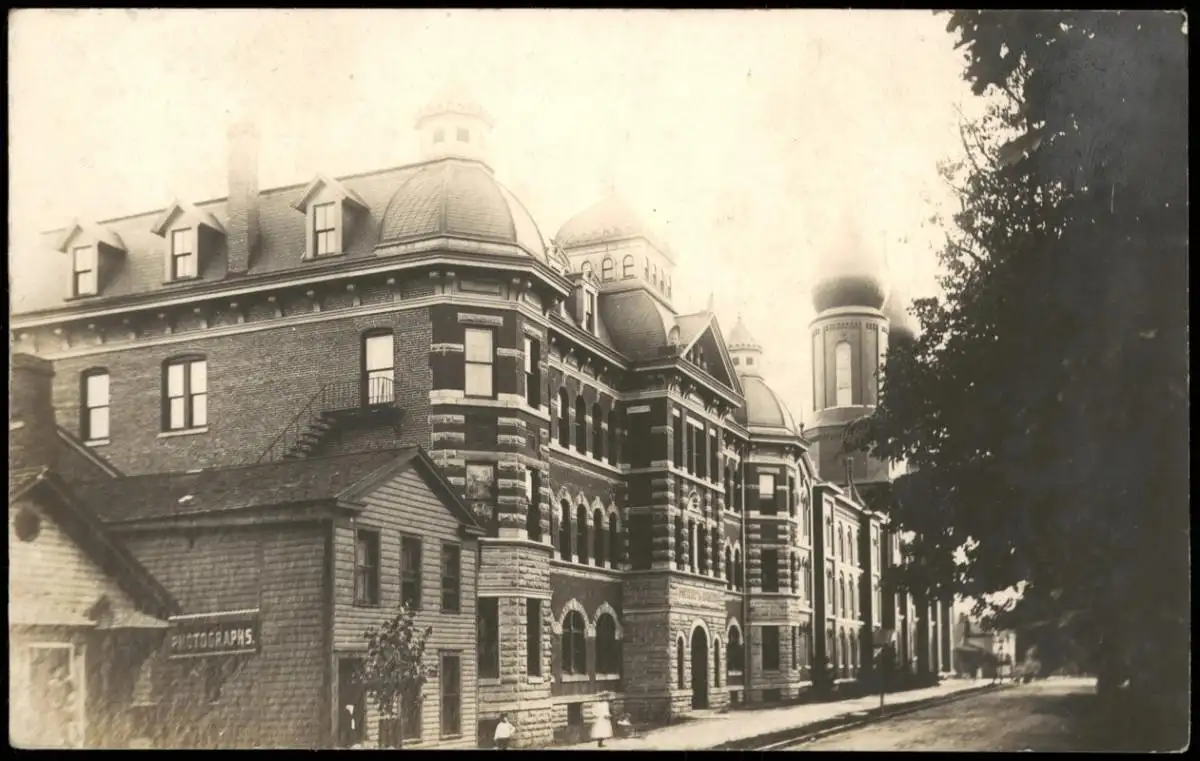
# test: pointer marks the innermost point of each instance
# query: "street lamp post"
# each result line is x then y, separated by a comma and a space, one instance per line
883, 640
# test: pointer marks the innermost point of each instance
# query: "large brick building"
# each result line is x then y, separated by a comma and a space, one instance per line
651, 511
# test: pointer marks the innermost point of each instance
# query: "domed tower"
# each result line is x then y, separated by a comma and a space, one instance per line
763, 409
453, 125
612, 241
849, 337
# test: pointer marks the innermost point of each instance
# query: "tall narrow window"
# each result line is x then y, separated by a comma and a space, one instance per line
581, 437
85, 281
185, 397
599, 537
794, 575
564, 418
488, 623
739, 578
450, 681
734, 653
324, 229
770, 570
574, 644
479, 356
613, 435
728, 568
183, 254
608, 653
366, 567
717, 663
410, 572
93, 419
533, 497
451, 578
597, 431
714, 455
378, 363
564, 530
791, 496
581, 531
678, 435
533, 373
766, 493
533, 637
770, 648
842, 368
606, 269
614, 542
679, 675
481, 492
702, 543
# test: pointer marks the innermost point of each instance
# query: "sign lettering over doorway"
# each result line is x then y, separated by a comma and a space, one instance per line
201, 635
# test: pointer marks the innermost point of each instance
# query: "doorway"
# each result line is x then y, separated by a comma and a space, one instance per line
352, 704
699, 668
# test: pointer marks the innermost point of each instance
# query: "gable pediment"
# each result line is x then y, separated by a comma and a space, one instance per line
82, 233
717, 361
182, 210
324, 187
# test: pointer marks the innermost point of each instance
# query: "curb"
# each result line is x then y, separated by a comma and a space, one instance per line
820, 729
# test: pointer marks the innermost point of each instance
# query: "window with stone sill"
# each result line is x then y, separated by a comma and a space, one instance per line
564, 418
597, 431
574, 644
581, 433
606, 269
766, 494
533, 637
488, 634
479, 357
533, 497
185, 393
770, 570
613, 435
94, 415
614, 542
564, 530
533, 373
581, 531
771, 648
599, 535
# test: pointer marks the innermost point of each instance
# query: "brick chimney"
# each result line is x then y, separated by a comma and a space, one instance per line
32, 432
243, 197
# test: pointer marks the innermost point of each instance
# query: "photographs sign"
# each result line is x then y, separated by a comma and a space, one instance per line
210, 634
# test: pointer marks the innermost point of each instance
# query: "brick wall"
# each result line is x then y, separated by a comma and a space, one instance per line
257, 383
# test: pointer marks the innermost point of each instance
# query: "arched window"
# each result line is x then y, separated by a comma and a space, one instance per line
845, 648
679, 663
599, 536
597, 431
606, 269
734, 653
714, 548
841, 545
728, 568
581, 533
738, 579
608, 648
94, 398
614, 542
716, 663
843, 371
702, 545
564, 418
587, 269
842, 593
581, 440
574, 643
627, 266
795, 574
564, 530
613, 428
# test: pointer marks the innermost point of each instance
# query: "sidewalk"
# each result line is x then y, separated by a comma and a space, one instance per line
744, 724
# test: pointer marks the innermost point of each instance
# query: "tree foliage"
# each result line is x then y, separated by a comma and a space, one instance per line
1044, 406
394, 669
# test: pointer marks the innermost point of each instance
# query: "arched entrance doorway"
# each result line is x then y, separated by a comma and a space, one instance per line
699, 668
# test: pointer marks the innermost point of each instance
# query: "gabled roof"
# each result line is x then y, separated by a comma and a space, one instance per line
94, 232
62, 503
693, 327
340, 479
178, 207
337, 188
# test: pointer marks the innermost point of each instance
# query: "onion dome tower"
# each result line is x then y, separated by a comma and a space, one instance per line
849, 337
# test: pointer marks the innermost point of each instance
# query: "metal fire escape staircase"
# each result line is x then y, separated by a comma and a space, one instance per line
336, 407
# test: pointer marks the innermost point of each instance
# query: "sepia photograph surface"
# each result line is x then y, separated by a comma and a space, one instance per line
599, 380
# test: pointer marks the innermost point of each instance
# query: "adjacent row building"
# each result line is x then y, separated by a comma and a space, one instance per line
288, 411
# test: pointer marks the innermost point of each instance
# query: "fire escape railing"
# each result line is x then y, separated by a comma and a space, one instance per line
338, 396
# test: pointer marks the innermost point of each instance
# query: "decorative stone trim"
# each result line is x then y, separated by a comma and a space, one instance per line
511, 353
447, 419
489, 320
510, 439
446, 348
454, 437
511, 422
637, 410
533, 331
606, 609
456, 480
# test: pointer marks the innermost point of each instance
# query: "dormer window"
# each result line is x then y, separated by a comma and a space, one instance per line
324, 229
94, 256
85, 279
464, 136
331, 210
183, 254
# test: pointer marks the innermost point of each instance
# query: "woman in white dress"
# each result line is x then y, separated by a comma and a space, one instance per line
602, 726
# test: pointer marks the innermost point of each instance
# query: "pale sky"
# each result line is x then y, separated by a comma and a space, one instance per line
746, 136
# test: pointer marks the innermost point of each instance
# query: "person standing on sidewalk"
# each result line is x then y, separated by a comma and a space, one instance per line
602, 726
504, 731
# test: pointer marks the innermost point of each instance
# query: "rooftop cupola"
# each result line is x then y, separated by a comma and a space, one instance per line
454, 125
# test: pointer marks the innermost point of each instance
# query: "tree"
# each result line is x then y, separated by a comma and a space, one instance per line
1044, 406
394, 670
